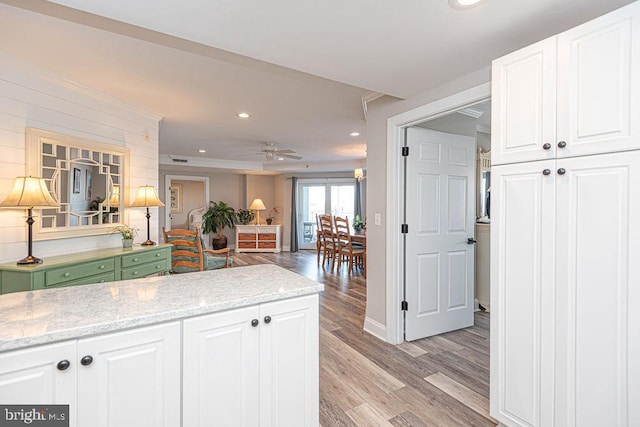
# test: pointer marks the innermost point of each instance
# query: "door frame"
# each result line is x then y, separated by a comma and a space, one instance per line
396, 126
167, 193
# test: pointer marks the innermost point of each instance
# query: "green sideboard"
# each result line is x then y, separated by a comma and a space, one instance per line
104, 265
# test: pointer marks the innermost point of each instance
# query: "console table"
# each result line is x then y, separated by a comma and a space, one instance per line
103, 265
258, 238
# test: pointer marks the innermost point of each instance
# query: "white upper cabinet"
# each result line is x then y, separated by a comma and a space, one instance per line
524, 104
570, 95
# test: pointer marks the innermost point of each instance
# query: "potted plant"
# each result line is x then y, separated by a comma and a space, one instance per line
214, 220
128, 234
358, 224
245, 216
272, 215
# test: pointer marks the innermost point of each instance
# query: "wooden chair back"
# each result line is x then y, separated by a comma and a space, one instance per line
186, 253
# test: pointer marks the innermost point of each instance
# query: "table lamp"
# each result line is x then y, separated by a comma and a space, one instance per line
30, 193
146, 198
257, 205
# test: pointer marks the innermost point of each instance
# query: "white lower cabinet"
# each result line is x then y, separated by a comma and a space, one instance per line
121, 379
256, 366
565, 277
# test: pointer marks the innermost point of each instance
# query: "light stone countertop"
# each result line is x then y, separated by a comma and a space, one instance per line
44, 316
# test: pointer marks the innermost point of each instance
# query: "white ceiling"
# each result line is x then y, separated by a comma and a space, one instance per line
199, 62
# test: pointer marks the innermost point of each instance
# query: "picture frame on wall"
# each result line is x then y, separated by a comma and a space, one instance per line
76, 181
175, 192
88, 185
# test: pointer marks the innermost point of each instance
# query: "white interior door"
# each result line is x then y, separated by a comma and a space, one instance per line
440, 213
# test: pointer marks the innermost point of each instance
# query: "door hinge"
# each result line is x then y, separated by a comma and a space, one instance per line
405, 306
405, 151
404, 229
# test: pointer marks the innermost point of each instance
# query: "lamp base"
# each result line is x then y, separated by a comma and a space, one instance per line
29, 259
148, 243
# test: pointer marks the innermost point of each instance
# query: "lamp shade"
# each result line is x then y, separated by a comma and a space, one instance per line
257, 205
29, 192
147, 197
114, 200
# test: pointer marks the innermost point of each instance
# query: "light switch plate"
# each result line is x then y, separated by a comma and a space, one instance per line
377, 219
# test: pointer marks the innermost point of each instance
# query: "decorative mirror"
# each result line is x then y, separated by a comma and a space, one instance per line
86, 178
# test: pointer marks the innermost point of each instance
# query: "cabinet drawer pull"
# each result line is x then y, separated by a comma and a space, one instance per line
102, 267
135, 260
562, 144
254, 322
267, 319
546, 146
546, 172
86, 361
158, 267
562, 171
63, 365
135, 273
67, 274
158, 254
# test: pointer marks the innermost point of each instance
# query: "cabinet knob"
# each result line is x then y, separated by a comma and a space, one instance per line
562, 171
157, 267
562, 144
546, 146
63, 365
67, 274
158, 254
135, 260
102, 267
86, 361
135, 273
254, 322
267, 319
546, 172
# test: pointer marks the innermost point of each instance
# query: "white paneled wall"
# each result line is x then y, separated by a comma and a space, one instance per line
31, 97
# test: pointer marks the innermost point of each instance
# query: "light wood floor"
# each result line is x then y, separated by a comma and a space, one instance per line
437, 381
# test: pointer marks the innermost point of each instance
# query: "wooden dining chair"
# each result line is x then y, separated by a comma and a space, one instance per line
188, 255
327, 239
346, 248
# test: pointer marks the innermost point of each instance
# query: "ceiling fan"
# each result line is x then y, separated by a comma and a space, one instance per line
271, 152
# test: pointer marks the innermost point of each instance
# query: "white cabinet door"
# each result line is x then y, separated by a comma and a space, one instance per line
38, 376
599, 85
133, 379
524, 104
289, 378
522, 293
598, 276
221, 382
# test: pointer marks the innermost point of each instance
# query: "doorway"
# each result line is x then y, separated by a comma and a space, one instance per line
396, 127
317, 197
184, 196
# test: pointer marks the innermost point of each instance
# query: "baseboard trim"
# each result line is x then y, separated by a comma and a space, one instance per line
286, 248
376, 329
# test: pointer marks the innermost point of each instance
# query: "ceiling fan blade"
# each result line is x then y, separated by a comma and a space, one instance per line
284, 151
290, 156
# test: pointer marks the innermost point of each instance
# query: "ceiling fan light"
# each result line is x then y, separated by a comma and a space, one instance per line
244, 115
464, 4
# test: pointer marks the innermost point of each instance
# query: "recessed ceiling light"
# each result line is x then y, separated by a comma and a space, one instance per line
202, 151
244, 115
464, 4
355, 134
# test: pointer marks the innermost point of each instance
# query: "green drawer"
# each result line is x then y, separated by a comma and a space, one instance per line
145, 270
77, 272
142, 258
100, 278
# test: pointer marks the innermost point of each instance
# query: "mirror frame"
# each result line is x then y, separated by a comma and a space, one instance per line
35, 138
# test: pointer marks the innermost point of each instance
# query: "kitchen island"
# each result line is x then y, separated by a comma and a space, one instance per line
224, 347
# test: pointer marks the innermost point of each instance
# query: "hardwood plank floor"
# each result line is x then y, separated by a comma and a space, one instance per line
437, 381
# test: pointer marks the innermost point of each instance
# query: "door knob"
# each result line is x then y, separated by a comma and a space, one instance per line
562, 144
546, 172
546, 146
63, 365
471, 241
86, 361
562, 171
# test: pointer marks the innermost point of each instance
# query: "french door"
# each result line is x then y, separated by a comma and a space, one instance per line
317, 197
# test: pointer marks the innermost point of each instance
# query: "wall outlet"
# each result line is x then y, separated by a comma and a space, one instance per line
377, 219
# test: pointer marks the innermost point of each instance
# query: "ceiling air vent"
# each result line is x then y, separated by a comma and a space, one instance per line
180, 160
